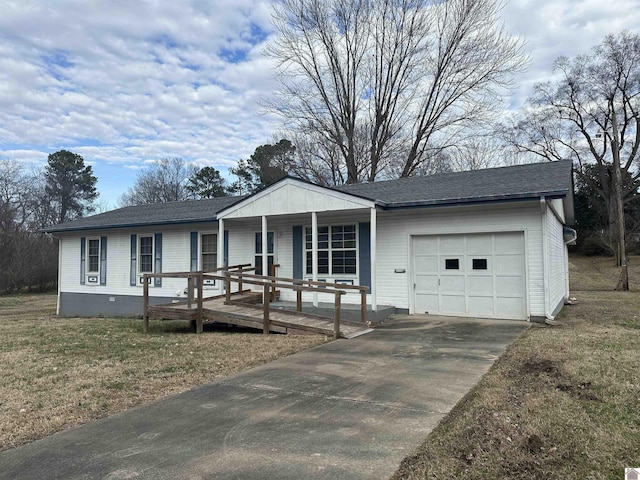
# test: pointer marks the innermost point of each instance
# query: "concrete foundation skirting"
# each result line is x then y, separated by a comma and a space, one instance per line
100, 305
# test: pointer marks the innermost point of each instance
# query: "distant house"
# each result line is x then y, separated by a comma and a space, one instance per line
486, 243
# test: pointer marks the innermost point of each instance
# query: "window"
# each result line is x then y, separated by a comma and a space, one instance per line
258, 251
337, 250
209, 251
93, 255
479, 263
452, 264
146, 254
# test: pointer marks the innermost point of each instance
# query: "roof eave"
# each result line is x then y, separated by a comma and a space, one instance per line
128, 225
475, 200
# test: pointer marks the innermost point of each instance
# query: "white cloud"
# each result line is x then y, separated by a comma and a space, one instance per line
122, 82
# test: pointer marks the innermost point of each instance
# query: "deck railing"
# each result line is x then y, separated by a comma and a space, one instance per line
238, 274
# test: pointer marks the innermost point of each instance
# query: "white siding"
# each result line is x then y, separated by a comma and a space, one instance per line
556, 261
395, 229
175, 258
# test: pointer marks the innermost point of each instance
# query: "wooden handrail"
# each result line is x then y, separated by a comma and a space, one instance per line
237, 274
341, 286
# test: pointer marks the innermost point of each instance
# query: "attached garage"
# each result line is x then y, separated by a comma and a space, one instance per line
480, 274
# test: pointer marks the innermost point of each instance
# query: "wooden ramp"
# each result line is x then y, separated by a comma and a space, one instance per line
243, 311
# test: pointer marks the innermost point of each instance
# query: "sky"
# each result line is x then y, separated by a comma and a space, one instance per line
125, 83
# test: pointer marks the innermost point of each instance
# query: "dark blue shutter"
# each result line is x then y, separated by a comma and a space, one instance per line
157, 281
83, 259
297, 252
364, 253
194, 252
134, 253
103, 260
226, 248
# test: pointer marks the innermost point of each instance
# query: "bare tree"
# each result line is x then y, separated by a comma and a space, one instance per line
592, 115
164, 181
389, 83
28, 259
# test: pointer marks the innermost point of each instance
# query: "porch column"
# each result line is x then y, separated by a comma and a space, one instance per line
265, 249
314, 253
220, 260
374, 219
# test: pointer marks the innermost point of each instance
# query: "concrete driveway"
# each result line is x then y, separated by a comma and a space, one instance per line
348, 409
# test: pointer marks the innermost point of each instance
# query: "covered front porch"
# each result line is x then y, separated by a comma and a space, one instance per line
303, 231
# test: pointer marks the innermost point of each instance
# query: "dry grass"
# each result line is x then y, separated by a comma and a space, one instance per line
563, 402
601, 273
56, 373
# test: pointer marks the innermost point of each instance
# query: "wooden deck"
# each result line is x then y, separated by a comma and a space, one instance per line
243, 310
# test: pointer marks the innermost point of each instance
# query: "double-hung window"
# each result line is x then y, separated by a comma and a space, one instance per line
337, 250
208, 251
93, 256
146, 253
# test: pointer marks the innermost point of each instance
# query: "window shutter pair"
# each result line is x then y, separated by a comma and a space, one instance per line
157, 261
103, 260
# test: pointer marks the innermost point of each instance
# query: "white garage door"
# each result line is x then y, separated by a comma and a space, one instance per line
479, 275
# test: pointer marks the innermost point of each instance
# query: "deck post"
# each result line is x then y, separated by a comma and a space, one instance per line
363, 306
240, 279
298, 298
336, 315
265, 309
200, 299
145, 304
227, 283
189, 291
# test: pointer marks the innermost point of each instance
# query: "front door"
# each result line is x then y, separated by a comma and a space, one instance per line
271, 251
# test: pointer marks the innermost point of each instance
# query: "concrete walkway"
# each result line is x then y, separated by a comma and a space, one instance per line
349, 409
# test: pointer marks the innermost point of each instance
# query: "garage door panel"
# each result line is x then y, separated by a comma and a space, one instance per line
427, 303
425, 244
509, 307
452, 284
454, 304
509, 265
480, 306
510, 286
509, 243
426, 264
480, 244
451, 245
426, 283
480, 285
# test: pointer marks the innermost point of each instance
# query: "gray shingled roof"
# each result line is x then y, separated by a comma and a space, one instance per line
189, 211
551, 179
520, 181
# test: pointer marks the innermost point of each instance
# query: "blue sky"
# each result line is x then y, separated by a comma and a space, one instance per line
127, 82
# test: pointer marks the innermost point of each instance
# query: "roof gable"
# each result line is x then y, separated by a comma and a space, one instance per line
291, 196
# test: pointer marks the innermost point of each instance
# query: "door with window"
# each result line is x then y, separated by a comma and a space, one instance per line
259, 251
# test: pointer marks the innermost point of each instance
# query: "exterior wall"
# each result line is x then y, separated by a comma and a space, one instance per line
396, 227
557, 262
175, 258
394, 232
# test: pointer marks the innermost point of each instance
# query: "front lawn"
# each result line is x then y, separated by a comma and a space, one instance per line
56, 373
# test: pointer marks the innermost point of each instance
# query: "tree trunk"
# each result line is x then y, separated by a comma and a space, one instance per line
623, 281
